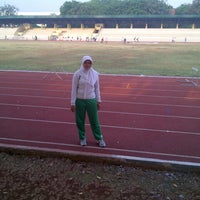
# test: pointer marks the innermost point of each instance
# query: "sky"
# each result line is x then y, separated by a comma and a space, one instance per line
53, 6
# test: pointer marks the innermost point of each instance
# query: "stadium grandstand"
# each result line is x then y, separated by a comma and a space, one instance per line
102, 28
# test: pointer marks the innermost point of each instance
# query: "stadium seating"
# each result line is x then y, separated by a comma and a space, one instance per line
128, 35
150, 35
76, 34
59, 34
7, 33
39, 33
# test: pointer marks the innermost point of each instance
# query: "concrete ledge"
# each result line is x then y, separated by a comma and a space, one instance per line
154, 164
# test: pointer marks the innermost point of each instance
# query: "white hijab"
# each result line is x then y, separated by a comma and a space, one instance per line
91, 75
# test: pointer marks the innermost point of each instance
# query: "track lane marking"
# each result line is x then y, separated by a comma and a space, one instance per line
150, 104
141, 103
110, 94
111, 75
128, 86
121, 88
106, 111
102, 125
102, 83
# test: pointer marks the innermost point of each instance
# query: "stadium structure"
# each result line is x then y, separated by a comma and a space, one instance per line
102, 28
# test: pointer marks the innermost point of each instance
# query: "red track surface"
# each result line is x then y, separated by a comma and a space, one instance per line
144, 118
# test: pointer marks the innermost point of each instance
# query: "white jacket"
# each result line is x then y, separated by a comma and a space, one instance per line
85, 84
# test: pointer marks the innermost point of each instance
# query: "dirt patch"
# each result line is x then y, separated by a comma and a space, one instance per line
29, 177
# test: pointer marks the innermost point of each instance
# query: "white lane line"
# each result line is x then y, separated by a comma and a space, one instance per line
102, 125
150, 104
33, 89
131, 86
150, 76
120, 75
97, 148
33, 96
35, 106
66, 73
110, 94
148, 96
103, 87
36, 120
106, 75
105, 111
36, 84
150, 115
36, 72
152, 130
136, 103
103, 81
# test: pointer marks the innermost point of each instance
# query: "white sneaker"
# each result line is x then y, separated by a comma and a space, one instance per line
83, 142
101, 143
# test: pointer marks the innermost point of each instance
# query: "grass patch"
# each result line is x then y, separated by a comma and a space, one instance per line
112, 58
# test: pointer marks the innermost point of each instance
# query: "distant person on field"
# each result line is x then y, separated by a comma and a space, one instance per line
185, 39
85, 98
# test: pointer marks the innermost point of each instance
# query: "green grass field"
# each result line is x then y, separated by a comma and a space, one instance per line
113, 58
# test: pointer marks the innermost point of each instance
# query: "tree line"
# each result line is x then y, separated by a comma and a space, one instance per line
117, 7
189, 9
128, 7
8, 10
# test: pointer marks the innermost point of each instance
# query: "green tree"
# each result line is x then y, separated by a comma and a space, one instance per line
196, 2
195, 8
116, 7
70, 8
189, 9
184, 9
8, 10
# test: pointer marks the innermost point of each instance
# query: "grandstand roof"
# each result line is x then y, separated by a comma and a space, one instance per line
89, 21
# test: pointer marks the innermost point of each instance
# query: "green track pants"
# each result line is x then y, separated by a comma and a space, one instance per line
89, 106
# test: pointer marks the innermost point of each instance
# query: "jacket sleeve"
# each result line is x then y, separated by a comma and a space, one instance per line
74, 89
97, 90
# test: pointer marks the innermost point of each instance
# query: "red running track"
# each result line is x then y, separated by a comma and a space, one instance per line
143, 118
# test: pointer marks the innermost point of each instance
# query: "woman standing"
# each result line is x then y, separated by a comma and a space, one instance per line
85, 97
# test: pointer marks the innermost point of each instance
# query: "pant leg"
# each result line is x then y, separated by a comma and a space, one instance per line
80, 117
93, 118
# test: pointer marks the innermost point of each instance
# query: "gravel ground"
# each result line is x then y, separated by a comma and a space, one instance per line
48, 178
